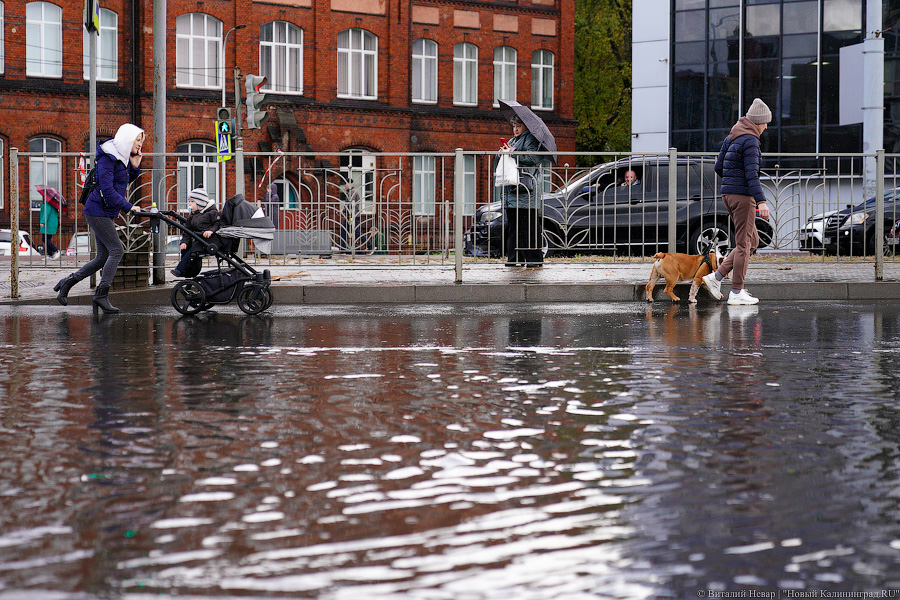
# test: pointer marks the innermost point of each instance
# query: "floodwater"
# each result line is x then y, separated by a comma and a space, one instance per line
446, 452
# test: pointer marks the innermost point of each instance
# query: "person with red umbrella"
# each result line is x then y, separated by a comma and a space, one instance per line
50, 219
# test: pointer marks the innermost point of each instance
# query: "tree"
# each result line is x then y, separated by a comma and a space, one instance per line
603, 75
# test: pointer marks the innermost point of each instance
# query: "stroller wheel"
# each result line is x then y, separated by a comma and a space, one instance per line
254, 299
188, 297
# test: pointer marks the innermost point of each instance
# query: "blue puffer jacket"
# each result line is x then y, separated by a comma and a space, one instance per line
738, 162
109, 197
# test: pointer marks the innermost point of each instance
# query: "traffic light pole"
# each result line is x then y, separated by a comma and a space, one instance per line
238, 136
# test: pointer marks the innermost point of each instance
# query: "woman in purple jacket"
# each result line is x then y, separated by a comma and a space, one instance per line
118, 164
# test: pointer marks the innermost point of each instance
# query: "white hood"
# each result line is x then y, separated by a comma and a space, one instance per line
121, 145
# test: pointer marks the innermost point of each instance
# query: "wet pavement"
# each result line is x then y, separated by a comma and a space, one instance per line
437, 451
377, 279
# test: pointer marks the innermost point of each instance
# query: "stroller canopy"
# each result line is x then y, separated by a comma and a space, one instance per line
244, 219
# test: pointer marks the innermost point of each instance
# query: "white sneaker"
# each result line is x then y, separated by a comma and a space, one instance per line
712, 285
741, 298
54, 256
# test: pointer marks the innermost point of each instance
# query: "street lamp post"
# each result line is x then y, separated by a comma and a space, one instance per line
224, 43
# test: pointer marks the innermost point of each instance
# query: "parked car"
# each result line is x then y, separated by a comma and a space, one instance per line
25, 246
597, 213
811, 236
851, 231
80, 243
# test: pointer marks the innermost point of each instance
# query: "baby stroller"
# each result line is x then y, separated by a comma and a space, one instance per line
232, 278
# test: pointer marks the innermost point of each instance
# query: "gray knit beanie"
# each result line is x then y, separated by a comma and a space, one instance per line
200, 197
759, 112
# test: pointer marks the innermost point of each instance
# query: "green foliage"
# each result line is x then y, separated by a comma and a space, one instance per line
603, 75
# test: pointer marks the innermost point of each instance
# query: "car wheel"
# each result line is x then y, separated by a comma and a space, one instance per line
870, 247
766, 234
710, 237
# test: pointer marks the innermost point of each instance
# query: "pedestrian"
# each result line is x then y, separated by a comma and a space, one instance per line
742, 193
204, 220
49, 227
350, 207
522, 202
118, 164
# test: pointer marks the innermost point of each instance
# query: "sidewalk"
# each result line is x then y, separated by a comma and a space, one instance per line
377, 280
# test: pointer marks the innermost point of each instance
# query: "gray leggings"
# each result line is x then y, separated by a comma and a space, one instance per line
109, 251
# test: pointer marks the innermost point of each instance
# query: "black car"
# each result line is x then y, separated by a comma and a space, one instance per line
597, 212
851, 231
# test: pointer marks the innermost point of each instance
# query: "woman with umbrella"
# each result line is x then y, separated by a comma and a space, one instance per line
522, 202
50, 218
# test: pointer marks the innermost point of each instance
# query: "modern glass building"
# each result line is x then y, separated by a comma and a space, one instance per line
705, 60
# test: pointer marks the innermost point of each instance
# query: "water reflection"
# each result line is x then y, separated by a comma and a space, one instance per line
446, 452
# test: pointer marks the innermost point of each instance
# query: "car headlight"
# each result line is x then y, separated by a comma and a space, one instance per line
489, 215
854, 219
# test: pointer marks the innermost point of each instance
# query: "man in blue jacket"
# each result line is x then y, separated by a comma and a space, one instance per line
738, 166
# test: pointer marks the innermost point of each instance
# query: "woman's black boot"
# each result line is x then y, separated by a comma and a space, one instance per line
65, 284
101, 300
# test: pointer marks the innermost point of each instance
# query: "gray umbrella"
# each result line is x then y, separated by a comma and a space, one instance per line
534, 123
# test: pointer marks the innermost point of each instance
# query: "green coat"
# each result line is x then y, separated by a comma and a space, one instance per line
49, 219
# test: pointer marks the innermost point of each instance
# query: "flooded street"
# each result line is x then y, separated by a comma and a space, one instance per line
450, 452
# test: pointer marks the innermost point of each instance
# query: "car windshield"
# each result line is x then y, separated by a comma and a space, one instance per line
5, 236
870, 203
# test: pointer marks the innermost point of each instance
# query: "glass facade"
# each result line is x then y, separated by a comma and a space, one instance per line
727, 52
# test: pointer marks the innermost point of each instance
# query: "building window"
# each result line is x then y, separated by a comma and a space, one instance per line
358, 167
197, 167
288, 198
281, 57
107, 48
45, 169
504, 73
542, 80
424, 71
423, 185
2, 45
465, 74
198, 40
43, 39
357, 64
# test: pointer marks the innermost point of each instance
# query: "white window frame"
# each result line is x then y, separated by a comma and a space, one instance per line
357, 64
288, 194
280, 59
505, 63
43, 24
358, 167
45, 169
424, 71
2, 47
198, 43
542, 67
424, 173
465, 67
107, 48
199, 168
3, 169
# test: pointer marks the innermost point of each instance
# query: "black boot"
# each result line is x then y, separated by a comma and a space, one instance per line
63, 288
102, 301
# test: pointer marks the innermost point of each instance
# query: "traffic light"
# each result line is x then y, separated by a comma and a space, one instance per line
255, 117
224, 121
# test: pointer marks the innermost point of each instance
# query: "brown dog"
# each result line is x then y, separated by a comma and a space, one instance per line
676, 267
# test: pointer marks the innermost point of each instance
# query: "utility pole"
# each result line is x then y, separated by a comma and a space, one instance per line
159, 136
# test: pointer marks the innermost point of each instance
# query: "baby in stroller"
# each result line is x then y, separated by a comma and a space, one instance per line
203, 220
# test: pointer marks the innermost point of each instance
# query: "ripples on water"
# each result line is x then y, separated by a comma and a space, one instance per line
450, 453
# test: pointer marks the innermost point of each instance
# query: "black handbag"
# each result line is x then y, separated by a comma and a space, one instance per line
90, 184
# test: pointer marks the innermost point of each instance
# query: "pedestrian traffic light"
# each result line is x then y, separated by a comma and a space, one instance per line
255, 117
224, 122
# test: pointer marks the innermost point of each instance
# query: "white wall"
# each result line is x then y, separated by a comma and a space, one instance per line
650, 76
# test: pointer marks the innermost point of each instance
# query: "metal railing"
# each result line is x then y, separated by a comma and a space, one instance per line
443, 208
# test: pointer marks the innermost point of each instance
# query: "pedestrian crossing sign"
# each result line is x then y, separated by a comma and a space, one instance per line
223, 141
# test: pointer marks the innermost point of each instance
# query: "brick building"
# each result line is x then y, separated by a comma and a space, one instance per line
361, 76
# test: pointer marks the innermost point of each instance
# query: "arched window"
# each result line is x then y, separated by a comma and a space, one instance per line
198, 43
281, 57
542, 80
465, 74
357, 67
424, 71
197, 167
43, 40
107, 58
504, 73
45, 169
